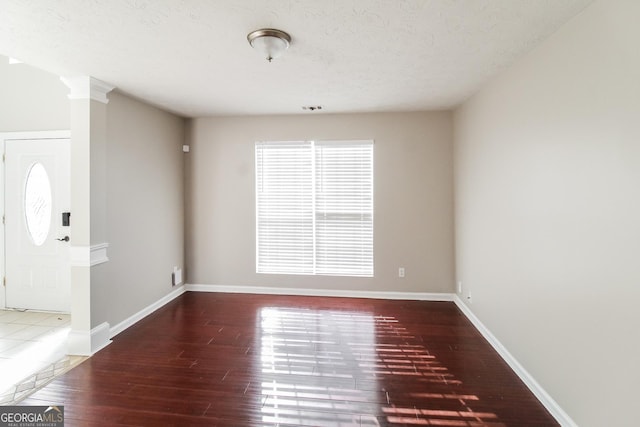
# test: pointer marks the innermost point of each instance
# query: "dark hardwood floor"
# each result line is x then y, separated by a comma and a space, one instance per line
211, 359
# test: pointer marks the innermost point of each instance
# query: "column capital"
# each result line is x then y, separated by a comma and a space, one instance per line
87, 87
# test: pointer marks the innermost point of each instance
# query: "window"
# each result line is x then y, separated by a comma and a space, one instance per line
37, 203
314, 207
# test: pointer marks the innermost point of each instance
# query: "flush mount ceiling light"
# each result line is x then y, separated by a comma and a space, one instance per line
270, 42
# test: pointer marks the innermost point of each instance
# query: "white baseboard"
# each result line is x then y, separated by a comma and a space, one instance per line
552, 406
420, 296
100, 337
87, 343
146, 311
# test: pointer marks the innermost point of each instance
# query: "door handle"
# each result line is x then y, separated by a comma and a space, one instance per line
64, 239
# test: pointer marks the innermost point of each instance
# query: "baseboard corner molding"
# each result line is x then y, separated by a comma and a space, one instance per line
419, 296
131, 320
87, 343
100, 337
552, 406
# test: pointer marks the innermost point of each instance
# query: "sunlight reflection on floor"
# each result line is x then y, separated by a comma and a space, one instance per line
29, 342
331, 368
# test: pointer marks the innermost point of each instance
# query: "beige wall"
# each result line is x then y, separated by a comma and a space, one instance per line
144, 209
547, 161
31, 99
412, 192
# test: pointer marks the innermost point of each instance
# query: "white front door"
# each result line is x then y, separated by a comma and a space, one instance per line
37, 194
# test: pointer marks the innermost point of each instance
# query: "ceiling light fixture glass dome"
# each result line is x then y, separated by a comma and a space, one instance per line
270, 42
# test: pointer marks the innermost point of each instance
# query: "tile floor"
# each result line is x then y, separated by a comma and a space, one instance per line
32, 350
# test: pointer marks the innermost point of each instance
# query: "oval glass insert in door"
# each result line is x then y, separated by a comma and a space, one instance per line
37, 203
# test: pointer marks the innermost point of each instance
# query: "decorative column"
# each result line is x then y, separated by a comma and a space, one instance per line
88, 206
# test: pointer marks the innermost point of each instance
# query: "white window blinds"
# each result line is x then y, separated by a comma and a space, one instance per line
314, 207
284, 207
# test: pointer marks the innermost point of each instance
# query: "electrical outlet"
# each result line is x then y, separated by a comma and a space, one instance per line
401, 272
460, 286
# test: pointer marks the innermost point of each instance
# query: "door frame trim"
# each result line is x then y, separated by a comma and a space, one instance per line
10, 136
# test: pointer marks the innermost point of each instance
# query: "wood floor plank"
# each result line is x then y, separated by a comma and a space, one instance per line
260, 360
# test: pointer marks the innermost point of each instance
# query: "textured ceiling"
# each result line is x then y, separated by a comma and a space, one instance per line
192, 57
